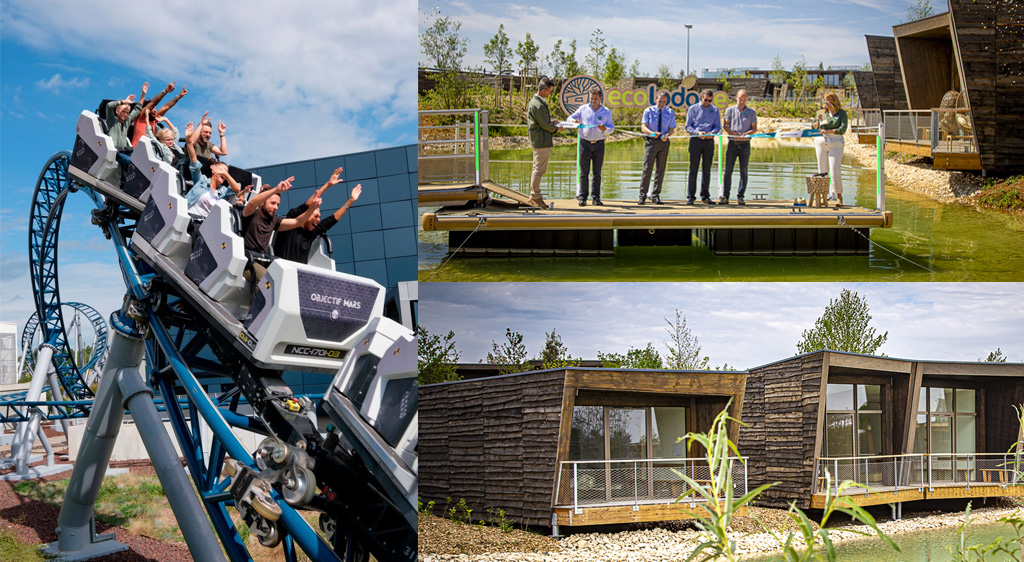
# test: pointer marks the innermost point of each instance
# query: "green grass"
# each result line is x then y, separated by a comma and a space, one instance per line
12, 549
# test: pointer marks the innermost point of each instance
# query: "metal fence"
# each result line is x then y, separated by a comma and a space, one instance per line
452, 146
892, 473
943, 130
640, 481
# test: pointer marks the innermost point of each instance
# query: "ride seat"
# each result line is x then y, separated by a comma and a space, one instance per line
165, 222
217, 261
320, 253
306, 316
138, 176
94, 152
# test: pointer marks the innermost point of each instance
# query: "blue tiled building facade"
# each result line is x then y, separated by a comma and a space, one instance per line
376, 238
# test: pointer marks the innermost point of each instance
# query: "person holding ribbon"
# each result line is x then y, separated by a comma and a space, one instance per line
595, 124
659, 122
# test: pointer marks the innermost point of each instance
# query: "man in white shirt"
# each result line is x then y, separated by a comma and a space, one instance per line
595, 124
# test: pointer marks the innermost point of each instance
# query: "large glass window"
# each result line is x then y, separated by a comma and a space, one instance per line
853, 420
610, 433
668, 426
946, 421
586, 439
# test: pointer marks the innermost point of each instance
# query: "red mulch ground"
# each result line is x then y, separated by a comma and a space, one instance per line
35, 522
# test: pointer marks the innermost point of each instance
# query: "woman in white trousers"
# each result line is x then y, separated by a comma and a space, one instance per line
829, 146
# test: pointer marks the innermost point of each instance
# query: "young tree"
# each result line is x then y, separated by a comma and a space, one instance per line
634, 69
497, 52
511, 354
995, 357
843, 327
665, 79
563, 63
645, 358
614, 67
778, 74
683, 346
527, 51
920, 10
798, 78
442, 45
555, 354
594, 61
437, 357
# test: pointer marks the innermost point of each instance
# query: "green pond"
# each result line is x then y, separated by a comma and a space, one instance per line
930, 241
924, 546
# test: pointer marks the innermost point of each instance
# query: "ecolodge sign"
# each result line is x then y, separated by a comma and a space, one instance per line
576, 92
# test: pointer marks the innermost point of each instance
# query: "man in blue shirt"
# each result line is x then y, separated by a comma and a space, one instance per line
599, 119
702, 122
740, 123
659, 122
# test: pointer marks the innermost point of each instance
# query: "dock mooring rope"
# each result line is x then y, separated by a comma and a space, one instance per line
479, 223
842, 221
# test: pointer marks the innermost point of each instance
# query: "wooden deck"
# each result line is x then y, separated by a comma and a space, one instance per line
641, 513
884, 495
947, 156
619, 214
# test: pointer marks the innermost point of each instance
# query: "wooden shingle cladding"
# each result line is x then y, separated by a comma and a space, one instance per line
496, 442
990, 41
784, 411
885, 66
492, 442
780, 413
864, 81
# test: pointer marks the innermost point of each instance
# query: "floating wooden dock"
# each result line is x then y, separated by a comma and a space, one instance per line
485, 226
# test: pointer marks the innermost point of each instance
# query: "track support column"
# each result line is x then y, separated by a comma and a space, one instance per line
121, 386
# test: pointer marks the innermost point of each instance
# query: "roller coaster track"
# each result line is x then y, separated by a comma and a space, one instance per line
214, 377
51, 191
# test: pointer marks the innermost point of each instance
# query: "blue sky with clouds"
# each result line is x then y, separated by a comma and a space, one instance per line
742, 324
291, 81
724, 34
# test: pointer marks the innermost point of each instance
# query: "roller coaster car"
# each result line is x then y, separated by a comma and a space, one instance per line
94, 152
164, 222
372, 400
308, 317
142, 168
217, 261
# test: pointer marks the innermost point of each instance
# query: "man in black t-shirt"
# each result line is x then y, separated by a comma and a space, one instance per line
295, 244
260, 221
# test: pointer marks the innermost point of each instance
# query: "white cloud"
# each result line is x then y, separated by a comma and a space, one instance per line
742, 324
298, 81
56, 83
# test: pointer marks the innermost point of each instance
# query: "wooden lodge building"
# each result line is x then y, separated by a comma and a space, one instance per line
951, 86
586, 446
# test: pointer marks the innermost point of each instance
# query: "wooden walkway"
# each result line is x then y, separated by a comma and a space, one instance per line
618, 214
888, 494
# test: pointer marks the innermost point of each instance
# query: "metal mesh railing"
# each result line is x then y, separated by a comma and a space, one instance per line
908, 126
641, 481
452, 146
896, 472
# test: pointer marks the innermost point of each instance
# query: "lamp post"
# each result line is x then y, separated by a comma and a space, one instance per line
688, 28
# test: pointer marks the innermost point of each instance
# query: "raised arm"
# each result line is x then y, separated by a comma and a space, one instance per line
259, 198
221, 150
334, 180
145, 89
291, 224
195, 134
190, 140
356, 192
167, 106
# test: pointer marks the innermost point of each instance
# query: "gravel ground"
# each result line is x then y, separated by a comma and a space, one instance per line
443, 540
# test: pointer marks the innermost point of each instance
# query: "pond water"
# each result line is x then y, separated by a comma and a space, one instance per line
930, 241
925, 546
